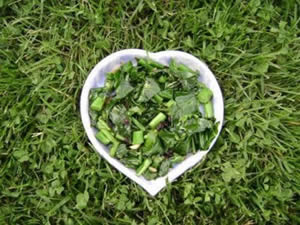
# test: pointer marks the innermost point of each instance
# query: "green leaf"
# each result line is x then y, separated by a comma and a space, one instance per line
124, 89
194, 124
262, 67
164, 168
185, 105
233, 136
150, 89
121, 151
120, 119
21, 155
188, 42
184, 147
156, 148
204, 95
229, 172
188, 187
168, 138
82, 200
153, 220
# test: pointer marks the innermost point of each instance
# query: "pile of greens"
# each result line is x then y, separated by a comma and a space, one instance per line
149, 115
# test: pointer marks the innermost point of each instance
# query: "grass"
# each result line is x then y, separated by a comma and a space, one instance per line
49, 173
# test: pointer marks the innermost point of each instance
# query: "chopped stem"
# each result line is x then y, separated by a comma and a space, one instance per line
208, 108
177, 159
102, 138
138, 124
120, 137
98, 103
143, 167
138, 137
114, 148
102, 125
156, 120
158, 98
109, 135
170, 103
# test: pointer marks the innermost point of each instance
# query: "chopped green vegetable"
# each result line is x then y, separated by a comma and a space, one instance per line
98, 103
143, 167
204, 96
156, 120
114, 148
150, 89
138, 124
150, 115
164, 167
124, 89
158, 99
209, 111
151, 138
108, 135
138, 137
102, 137
102, 125
122, 151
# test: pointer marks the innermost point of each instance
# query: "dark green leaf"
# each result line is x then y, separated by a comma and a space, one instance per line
168, 138
124, 89
164, 168
121, 151
150, 89
185, 105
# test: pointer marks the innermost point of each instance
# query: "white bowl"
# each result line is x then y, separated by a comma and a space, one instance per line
96, 78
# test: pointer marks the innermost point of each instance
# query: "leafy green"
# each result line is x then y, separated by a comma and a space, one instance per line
155, 149
150, 89
204, 95
164, 167
122, 151
149, 115
194, 124
124, 89
168, 138
120, 120
184, 147
185, 105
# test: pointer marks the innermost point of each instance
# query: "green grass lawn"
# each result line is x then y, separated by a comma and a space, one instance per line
50, 174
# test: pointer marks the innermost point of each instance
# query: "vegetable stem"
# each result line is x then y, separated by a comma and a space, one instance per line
176, 159
120, 137
158, 98
156, 120
114, 148
108, 135
102, 138
150, 139
138, 124
102, 125
208, 108
138, 137
143, 167
170, 103
98, 103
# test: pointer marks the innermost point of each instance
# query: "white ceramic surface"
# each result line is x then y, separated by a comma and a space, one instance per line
96, 78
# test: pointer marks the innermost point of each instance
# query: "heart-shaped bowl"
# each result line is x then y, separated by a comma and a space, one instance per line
96, 78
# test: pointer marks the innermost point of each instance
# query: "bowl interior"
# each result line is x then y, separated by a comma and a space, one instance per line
97, 78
